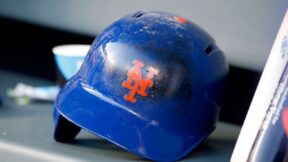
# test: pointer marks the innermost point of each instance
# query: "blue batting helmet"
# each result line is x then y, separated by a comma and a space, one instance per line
151, 84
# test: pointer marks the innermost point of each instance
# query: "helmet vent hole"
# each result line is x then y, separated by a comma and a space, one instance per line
138, 14
209, 49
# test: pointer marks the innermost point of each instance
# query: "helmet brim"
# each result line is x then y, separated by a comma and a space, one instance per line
78, 107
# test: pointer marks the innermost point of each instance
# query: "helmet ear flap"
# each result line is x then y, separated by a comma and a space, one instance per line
65, 131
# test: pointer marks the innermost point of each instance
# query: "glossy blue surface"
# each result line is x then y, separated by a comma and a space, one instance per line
181, 107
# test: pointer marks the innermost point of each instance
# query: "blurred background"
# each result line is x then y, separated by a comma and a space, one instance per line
245, 30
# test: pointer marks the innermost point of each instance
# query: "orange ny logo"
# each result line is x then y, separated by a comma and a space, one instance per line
140, 85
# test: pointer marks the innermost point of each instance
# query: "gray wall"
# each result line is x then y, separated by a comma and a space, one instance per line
244, 29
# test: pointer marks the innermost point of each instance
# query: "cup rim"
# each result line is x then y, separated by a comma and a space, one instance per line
71, 50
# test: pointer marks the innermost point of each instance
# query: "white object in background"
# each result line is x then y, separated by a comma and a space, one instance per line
45, 93
69, 58
262, 97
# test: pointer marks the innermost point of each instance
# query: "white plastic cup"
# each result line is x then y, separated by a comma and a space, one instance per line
69, 58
